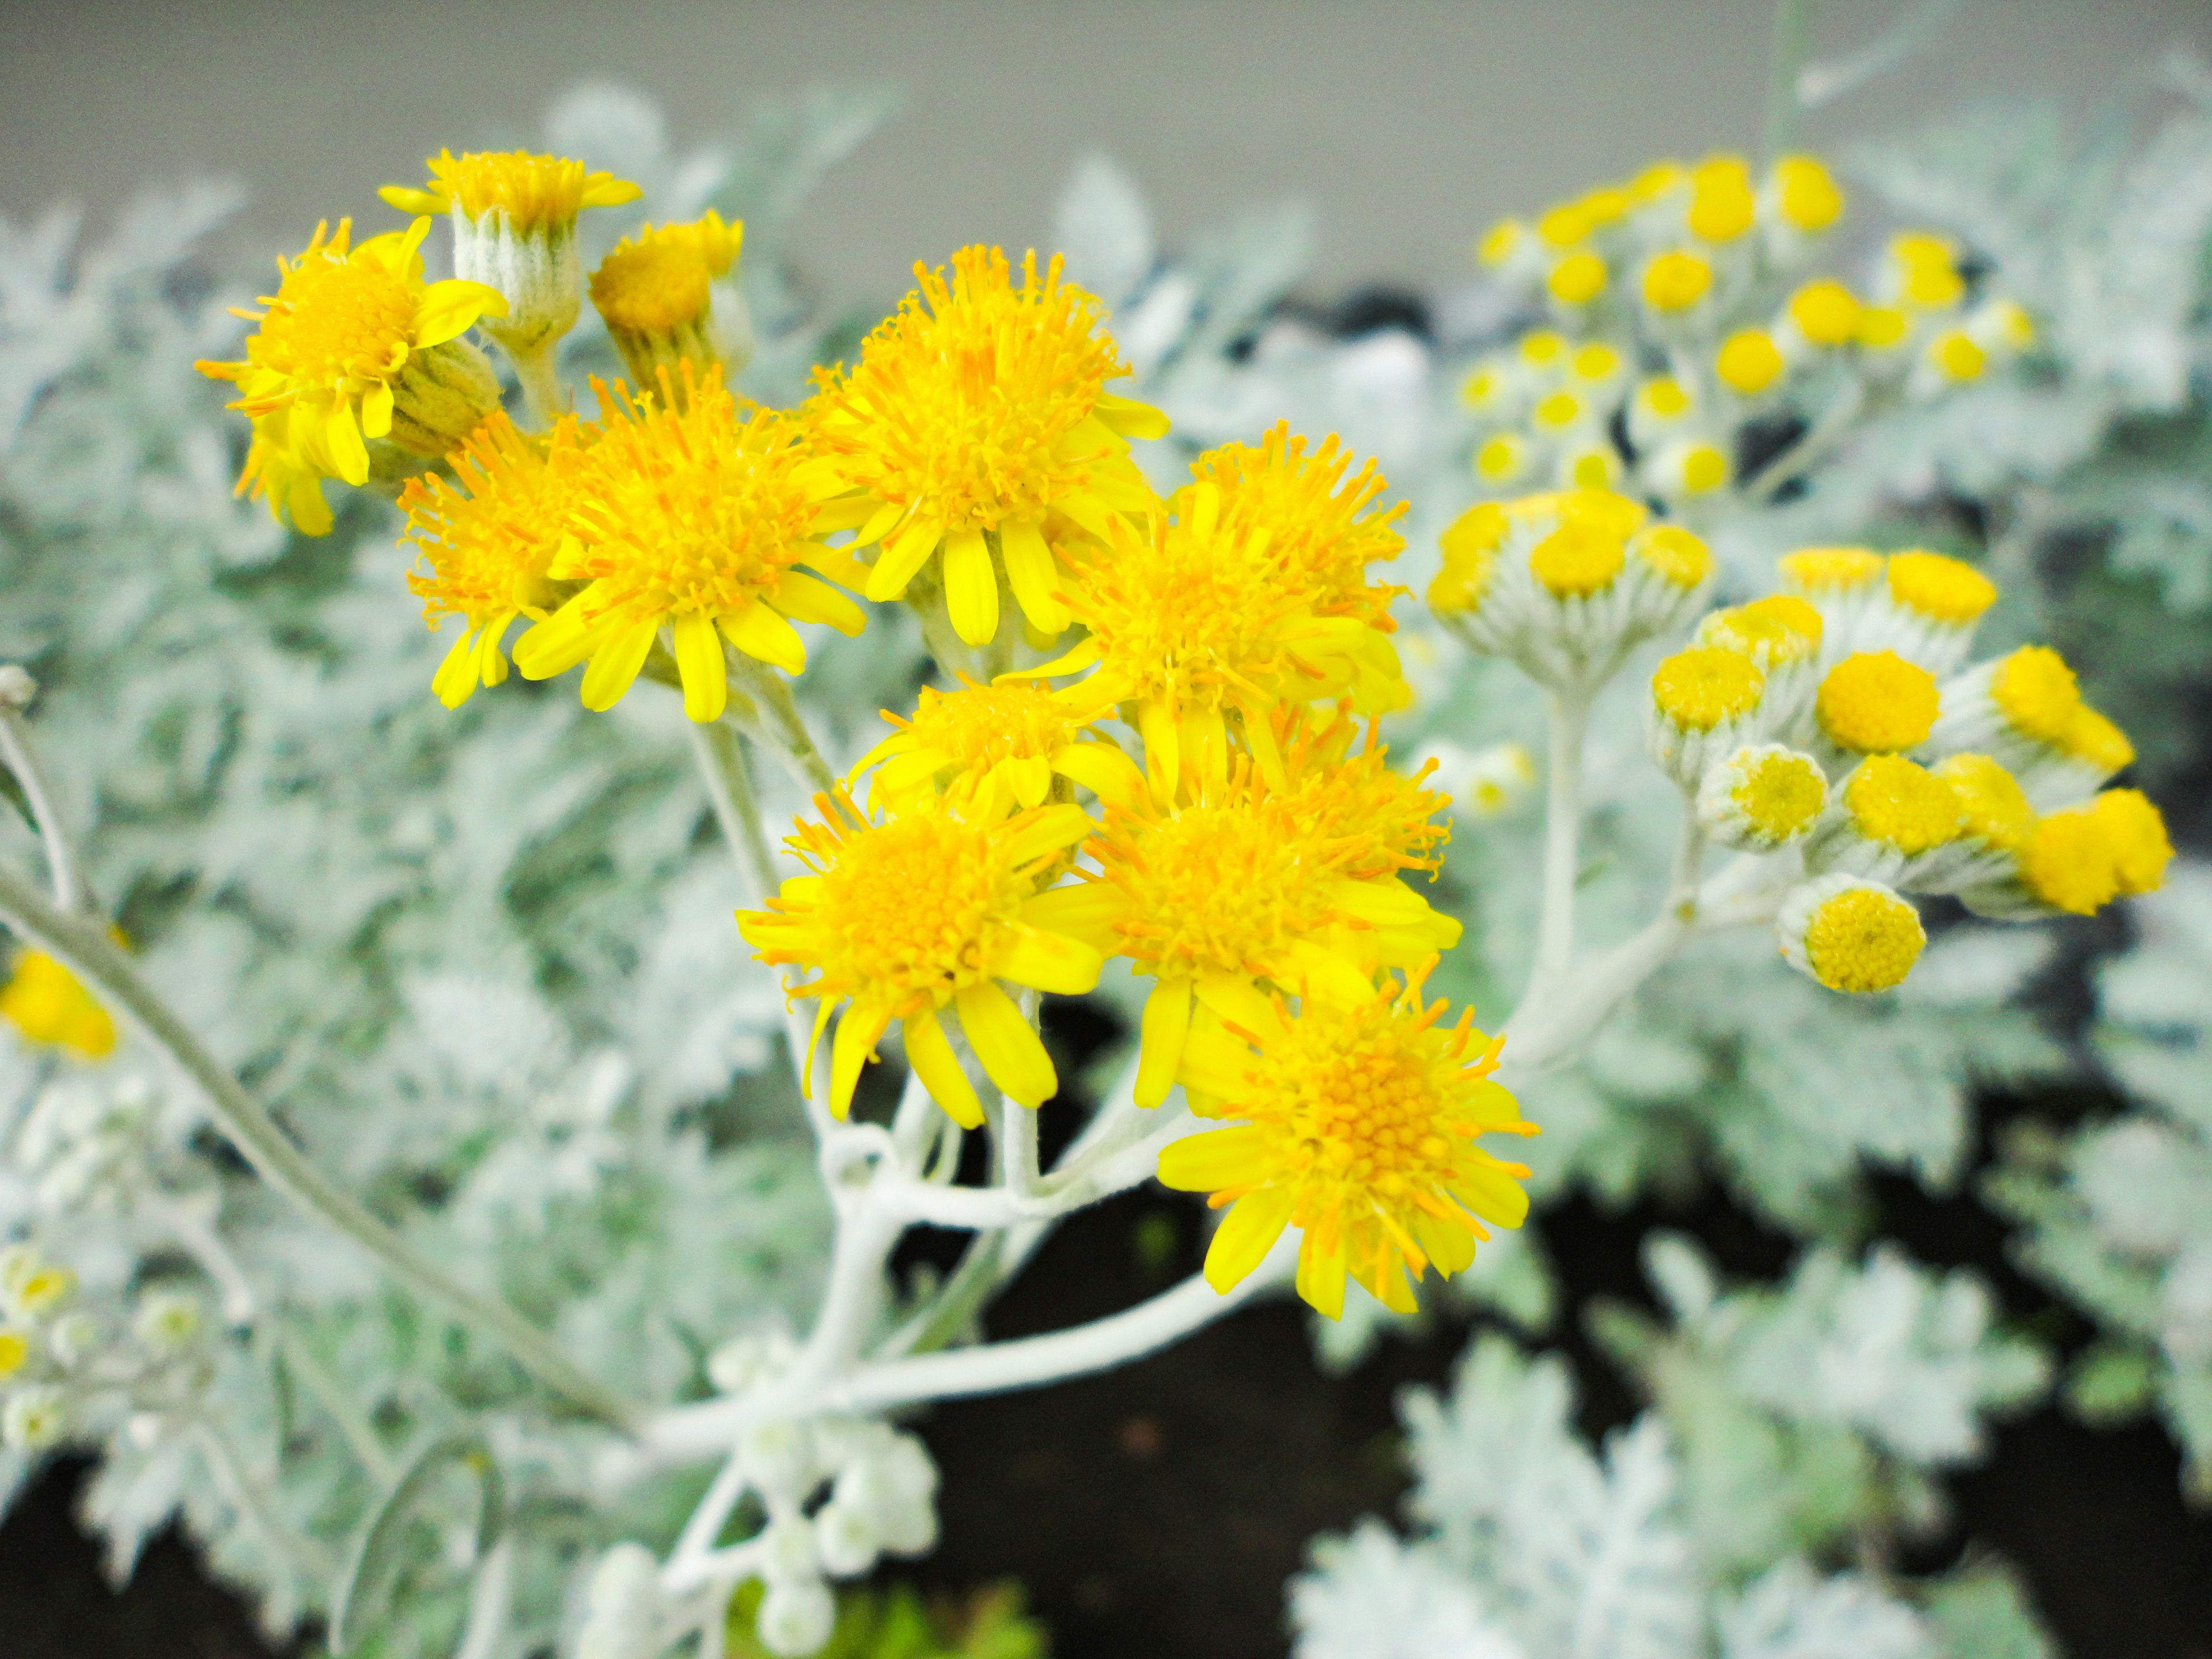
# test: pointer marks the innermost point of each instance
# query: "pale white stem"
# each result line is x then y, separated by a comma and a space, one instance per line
196, 1235
854, 1296
781, 724
86, 949
1568, 725
360, 1434
19, 758
1017, 1145
687, 1433
696, 1541
914, 1126
954, 657
1006, 1206
491, 1599
727, 1566
543, 399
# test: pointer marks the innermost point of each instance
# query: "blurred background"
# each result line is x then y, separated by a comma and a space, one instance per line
1408, 125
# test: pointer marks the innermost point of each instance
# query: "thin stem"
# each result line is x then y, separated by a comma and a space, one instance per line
543, 399
491, 1599
1827, 428
88, 953
946, 1317
780, 726
954, 657
697, 1540
18, 757
866, 1234
689, 1431
198, 1238
1568, 725
359, 1434
1792, 26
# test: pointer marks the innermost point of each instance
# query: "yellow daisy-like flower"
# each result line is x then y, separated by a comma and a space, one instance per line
926, 910
48, 1005
1242, 887
356, 346
1383, 821
1008, 742
1322, 532
532, 191
1199, 615
490, 540
684, 516
1357, 1121
976, 423
654, 292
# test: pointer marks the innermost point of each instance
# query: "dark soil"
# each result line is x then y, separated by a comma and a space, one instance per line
1156, 1511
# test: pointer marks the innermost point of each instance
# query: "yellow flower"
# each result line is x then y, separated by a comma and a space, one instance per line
46, 1002
1749, 362
1806, 194
515, 229
683, 516
1241, 886
976, 421
926, 910
1721, 204
490, 541
654, 292
1356, 1127
1676, 280
1875, 702
1578, 279
1008, 742
1850, 934
1825, 313
530, 192
1384, 821
354, 346
1225, 603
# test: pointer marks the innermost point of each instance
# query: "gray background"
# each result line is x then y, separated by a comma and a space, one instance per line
1409, 124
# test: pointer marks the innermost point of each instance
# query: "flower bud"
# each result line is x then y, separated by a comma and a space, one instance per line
845, 1538
34, 1418
1850, 934
796, 1618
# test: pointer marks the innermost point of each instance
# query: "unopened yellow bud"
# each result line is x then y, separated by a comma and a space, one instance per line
1806, 196
1749, 362
2135, 831
1722, 205
1578, 279
1676, 280
1876, 702
1993, 809
1701, 688
1825, 313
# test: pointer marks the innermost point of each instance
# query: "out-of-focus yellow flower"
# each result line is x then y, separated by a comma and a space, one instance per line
654, 291
48, 1005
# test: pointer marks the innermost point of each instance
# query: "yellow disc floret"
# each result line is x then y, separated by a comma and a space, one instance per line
1825, 313
1876, 702
1675, 556
1829, 570
1701, 688
1902, 805
1721, 204
2136, 830
1806, 194
1863, 938
1773, 631
1777, 793
1993, 809
926, 910
1944, 590
1958, 356
1356, 1125
2070, 863
2036, 692
1578, 559
1749, 362
48, 1005
1578, 279
2096, 741
1676, 280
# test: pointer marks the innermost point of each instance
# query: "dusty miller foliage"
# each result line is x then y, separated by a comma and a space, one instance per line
481, 961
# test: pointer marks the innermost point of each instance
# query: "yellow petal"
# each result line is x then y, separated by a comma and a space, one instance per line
1129, 417
1011, 1051
1245, 1236
1216, 1063
1162, 736
1237, 1000
1492, 1195
902, 555
456, 679
1101, 768
971, 586
880, 524
1166, 1027
1031, 775
561, 641
1387, 902
930, 1055
604, 190
622, 652
1048, 830
1032, 574
376, 411
699, 663
348, 455
1449, 1244
1321, 1278
1049, 962
853, 1046
1323, 973
1213, 1161
762, 634
1085, 909
417, 202
448, 310
802, 599
1081, 655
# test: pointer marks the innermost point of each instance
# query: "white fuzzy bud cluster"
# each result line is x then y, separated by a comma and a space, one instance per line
86, 1143
623, 1607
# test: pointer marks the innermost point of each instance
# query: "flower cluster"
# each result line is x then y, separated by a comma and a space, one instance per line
1830, 724
71, 1366
1689, 343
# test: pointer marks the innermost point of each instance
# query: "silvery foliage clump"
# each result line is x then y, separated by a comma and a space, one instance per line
520, 1032
1789, 1427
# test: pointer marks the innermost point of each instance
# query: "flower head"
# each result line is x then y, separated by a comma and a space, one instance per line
926, 910
1875, 702
1356, 1122
976, 421
1008, 742
356, 346
1202, 614
48, 1005
1762, 797
1850, 933
684, 515
654, 291
488, 538
1805, 193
